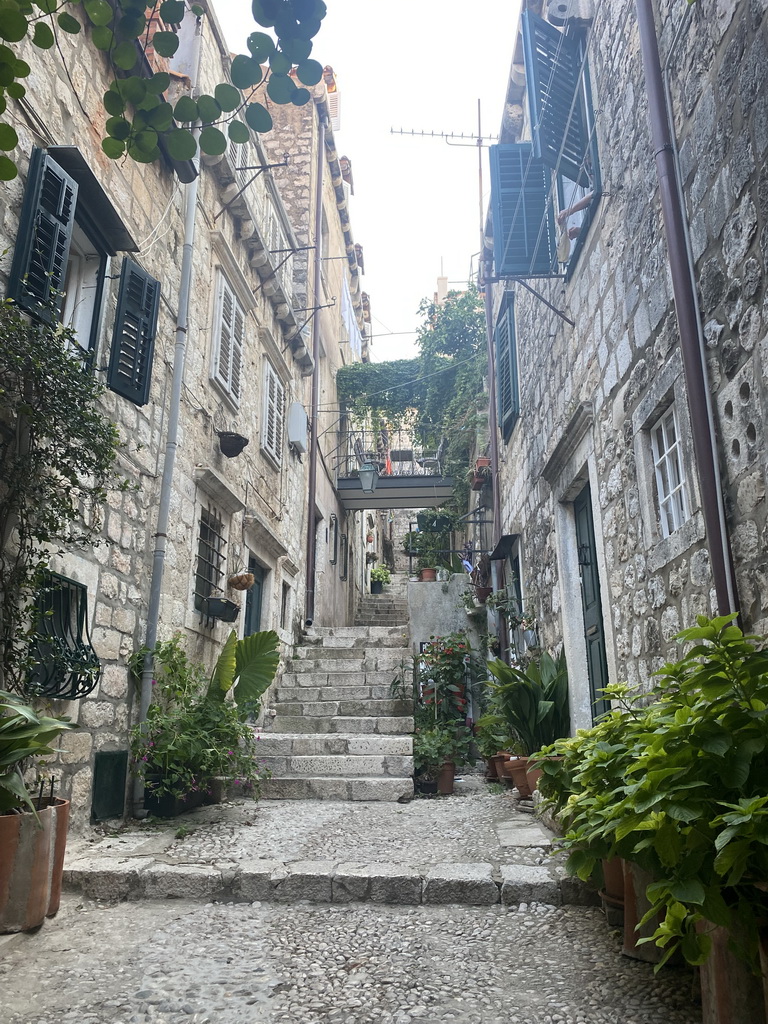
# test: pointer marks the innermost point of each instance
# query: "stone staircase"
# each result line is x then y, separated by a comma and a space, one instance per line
339, 734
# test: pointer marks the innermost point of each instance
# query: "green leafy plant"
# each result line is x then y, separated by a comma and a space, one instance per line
25, 742
193, 733
132, 35
381, 574
433, 747
532, 702
677, 784
57, 459
448, 667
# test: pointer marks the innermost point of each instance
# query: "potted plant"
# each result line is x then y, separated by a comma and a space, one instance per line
436, 753
33, 829
380, 575
193, 734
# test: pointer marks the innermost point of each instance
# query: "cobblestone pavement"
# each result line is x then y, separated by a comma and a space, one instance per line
178, 962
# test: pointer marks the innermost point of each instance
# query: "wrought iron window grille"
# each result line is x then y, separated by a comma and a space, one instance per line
64, 664
211, 555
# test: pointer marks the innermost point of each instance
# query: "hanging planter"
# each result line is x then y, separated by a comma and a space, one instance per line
221, 608
241, 581
230, 443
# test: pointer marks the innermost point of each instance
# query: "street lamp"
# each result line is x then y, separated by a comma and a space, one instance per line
369, 477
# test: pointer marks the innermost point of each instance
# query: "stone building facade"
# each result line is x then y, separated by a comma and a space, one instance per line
248, 371
601, 493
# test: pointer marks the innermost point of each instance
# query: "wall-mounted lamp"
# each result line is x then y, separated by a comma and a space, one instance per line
369, 477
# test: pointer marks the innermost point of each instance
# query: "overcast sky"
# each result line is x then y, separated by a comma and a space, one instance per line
410, 64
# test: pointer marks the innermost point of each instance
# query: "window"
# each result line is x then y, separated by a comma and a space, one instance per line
133, 339
274, 414
67, 230
210, 556
670, 476
506, 367
65, 665
228, 338
544, 192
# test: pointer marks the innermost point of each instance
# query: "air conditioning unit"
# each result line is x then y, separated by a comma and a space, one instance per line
298, 427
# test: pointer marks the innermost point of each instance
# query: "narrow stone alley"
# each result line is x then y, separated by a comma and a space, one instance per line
306, 912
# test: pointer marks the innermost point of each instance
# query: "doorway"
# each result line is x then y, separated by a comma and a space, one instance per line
594, 635
253, 599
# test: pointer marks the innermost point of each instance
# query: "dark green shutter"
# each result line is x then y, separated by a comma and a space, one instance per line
508, 396
45, 231
130, 362
553, 79
523, 222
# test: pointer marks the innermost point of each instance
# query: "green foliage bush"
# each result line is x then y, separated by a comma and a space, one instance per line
527, 707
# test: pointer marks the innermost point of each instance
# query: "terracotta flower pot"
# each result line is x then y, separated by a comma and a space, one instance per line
517, 767
31, 865
445, 778
730, 993
428, 575
612, 893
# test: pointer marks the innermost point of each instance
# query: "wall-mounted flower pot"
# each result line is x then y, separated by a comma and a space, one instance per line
221, 608
241, 581
482, 461
477, 482
231, 444
483, 593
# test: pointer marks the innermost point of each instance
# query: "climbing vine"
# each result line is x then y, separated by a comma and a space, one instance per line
141, 122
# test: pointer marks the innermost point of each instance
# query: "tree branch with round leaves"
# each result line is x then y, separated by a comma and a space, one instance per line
141, 123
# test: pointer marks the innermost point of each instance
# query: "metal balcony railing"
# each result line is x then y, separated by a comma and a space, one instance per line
395, 453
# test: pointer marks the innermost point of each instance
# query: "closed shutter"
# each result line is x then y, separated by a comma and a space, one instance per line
45, 232
553, 79
133, 339
524, 242
274, 415
506, 368
230, 334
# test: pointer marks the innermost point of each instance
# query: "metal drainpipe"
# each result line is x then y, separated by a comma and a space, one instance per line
691, 341
172, 437
313, 450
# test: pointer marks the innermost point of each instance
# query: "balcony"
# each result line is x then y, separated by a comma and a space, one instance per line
408, 474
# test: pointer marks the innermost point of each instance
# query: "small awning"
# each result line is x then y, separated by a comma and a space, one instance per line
504, 548
393, 492
114, 233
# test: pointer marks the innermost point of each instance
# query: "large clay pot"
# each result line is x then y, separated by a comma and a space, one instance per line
445, 778
31, 865
636, 906
517, 767
428, 575
612, 893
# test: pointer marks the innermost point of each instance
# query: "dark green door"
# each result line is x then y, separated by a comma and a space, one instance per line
590, 598
253, 599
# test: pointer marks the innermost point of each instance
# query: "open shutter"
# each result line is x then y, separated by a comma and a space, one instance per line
274, 414
236, 365
45, 231
524, 242
133, 339
553, 78
506, 368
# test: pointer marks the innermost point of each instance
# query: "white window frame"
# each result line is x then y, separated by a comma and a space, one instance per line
673, 504
273, 416
228, 340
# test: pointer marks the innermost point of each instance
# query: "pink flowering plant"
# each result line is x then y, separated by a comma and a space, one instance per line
194, 732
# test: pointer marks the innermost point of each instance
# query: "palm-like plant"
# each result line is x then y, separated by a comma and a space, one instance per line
533, 703
25, 737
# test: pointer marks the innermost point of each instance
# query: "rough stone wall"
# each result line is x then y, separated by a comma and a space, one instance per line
269, 499
621, 362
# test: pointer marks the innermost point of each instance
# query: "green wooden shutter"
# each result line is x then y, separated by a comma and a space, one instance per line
553, 78
524, 242
507, 392
133, 339
45, 231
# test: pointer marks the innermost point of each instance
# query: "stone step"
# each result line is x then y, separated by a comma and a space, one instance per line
387, 726
322, 788
379, 619
368, 636
357, 653
344, 708
380, 662
339, 765
363, 745
350, 691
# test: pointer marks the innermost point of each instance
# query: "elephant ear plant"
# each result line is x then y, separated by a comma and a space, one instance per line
676, 781
25, 740
194, 733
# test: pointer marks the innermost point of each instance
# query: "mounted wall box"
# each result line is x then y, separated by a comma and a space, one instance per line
298, 427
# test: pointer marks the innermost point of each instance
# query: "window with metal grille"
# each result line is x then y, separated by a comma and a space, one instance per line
228, 340
64, 664
506, 367
211, 546
670, 473
274, 414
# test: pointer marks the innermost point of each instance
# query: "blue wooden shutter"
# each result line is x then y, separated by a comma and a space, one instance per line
45, 231
553, 78
524, 242
507, 392
133, 339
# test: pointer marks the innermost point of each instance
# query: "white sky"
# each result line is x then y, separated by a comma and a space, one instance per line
414, 64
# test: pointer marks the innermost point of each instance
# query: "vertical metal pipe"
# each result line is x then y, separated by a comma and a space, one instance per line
694, 365
172, 437
309, 603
